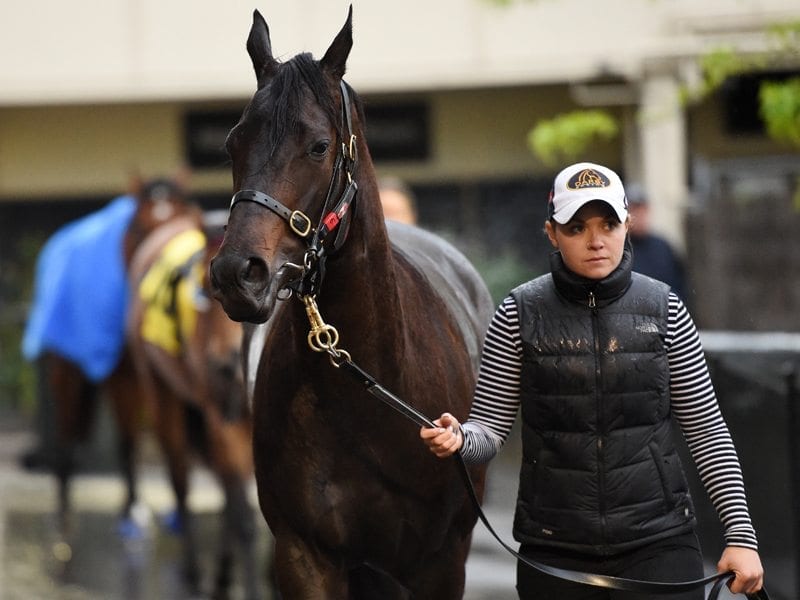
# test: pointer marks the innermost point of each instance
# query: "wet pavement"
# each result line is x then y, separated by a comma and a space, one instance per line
100, 564
104, 566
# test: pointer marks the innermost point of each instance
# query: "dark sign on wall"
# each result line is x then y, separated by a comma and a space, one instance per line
398, 131
394, 132
205, 133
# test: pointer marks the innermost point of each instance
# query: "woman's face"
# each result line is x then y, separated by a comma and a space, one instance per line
591, 243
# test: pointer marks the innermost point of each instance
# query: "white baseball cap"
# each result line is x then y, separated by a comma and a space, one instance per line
581, 183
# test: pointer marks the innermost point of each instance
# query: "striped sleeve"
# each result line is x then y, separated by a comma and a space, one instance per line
695, 406
497, 393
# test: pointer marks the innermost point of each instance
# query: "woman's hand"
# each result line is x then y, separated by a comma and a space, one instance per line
444, 439
746, 564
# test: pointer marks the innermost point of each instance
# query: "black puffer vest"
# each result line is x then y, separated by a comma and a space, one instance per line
600, 473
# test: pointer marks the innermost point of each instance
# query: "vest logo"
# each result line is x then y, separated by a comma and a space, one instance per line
648, 327
587, 178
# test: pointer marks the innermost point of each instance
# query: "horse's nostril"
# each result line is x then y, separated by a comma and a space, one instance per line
255, 270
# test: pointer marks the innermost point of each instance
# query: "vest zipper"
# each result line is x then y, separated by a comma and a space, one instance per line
601, 483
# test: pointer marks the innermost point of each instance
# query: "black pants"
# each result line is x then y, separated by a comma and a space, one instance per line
672, 559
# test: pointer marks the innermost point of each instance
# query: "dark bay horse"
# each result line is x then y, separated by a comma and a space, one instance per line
77, 323
221, 421
186, 352
357, 505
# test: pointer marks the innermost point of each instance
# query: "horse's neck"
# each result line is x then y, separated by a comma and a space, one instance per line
360, 286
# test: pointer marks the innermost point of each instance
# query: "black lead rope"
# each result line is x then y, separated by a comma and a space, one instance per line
603, 581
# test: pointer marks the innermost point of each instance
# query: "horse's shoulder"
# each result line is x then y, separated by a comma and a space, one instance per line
432, 255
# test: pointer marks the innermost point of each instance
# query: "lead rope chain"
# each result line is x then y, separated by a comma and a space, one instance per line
325, 338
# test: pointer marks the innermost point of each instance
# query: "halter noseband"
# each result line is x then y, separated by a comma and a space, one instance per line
333, 217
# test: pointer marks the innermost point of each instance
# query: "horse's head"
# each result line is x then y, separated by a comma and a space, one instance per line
292, 156
157, 201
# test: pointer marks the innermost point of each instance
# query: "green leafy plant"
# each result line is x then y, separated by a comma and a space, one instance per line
17, 376
779, 100
566, 136
780, 109
717, 66
500, 271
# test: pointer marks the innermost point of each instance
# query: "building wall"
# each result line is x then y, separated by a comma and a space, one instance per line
122, 50
69, 151
59, 151
90, 91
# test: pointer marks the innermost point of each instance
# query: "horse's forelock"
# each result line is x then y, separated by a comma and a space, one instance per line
286, 96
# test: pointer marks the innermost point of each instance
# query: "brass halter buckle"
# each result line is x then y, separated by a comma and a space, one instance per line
304, 227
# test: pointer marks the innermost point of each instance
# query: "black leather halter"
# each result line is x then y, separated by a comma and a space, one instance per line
334, 217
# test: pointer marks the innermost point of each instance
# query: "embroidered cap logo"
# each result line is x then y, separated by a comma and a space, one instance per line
587, 178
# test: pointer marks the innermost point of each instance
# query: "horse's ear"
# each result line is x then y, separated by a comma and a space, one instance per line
183, 178
335, 59
259, 48
135, 183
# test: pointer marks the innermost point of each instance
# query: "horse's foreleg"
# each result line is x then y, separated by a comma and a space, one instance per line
304, 572
172, 435
131, 522
238, 530
73, 398
127, 401
127, 457
238, 533
225, 558
231, 459
442, 576
63, 466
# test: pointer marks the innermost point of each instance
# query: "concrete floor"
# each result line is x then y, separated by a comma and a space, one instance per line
104, 566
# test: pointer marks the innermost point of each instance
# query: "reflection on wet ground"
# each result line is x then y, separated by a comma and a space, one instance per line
95, 561
99, 564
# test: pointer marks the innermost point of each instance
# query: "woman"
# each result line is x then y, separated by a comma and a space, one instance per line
598, 359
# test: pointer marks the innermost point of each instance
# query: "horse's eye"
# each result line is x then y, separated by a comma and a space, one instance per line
320, 148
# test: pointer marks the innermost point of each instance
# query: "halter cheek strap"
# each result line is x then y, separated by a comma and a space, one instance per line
332, 218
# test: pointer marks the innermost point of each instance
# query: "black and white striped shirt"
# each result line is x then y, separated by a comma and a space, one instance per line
694, 404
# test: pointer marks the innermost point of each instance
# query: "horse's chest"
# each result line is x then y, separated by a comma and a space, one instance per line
323, 492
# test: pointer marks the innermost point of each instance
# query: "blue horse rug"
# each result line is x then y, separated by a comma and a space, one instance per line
81, 292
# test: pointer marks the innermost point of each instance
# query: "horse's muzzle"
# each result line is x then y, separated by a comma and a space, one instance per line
241, 285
